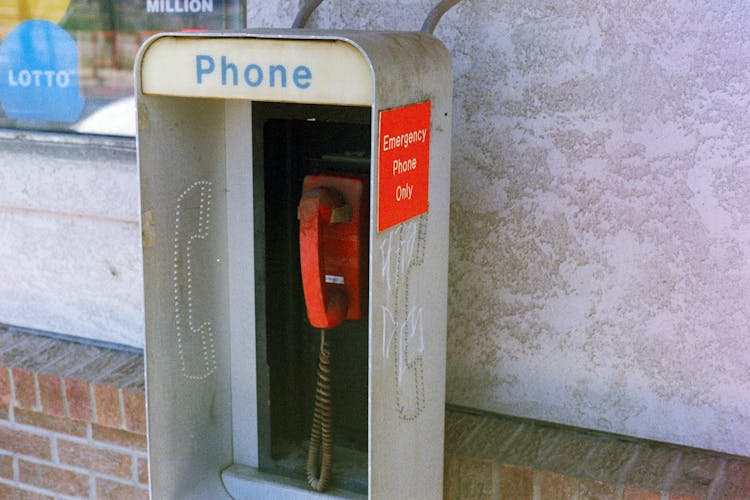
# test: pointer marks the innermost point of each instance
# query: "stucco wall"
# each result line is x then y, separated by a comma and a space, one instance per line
600, 266
600, 213
600, 256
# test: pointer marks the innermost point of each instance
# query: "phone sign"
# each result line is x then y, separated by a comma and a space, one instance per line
404, 164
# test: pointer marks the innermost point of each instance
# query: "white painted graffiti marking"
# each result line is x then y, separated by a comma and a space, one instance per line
406, 339
401, 253
404, 239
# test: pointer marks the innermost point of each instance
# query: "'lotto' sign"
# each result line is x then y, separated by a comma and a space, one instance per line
404, 164
39, 73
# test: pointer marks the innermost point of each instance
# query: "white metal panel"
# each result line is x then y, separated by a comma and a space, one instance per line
241, 278
408, 284
186, 295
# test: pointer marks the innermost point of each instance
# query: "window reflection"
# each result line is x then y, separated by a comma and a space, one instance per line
68, 64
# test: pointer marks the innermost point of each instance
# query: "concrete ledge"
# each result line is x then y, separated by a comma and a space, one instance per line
96, 178
66, 379
489, 456
247, 483
70, 247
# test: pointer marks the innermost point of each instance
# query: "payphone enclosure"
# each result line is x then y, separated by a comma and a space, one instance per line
229, 126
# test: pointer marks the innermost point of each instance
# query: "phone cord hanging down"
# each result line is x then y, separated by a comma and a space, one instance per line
320, 452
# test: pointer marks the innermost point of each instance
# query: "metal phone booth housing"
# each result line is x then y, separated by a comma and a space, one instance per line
228, 126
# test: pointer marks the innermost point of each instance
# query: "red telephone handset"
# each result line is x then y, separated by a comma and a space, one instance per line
331, 243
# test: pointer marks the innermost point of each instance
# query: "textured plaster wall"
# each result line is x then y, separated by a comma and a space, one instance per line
600, 241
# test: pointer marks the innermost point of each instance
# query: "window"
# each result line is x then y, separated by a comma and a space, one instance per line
67, 65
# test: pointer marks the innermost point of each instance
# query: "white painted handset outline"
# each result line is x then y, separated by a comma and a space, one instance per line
194, 340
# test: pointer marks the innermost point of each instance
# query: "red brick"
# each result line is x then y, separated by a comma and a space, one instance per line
696, 472
677, 496
450, 477
9, 337
135, 411
516, 482
6, 466
112, 490
49, 422
10, 492
568, 453
137, 384
459, 428
51, 394
104, 363
125, 373
143, 471
25, 443
25, 389
556, 486
107, 401
595, 490
3, 412
608, 459
490, 441
76, 357
95, 459
52, 478
736, 480
53, 350
532, 446
474, 479
23, 349
640, 494
5, 394
652, 467
79, 399
118, 437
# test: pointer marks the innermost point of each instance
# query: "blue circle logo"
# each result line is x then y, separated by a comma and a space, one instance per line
39, 73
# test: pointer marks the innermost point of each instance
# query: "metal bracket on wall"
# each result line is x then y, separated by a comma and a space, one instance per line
433, 18
429, 25
305, 12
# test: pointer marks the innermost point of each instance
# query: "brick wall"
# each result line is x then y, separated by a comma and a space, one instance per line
72, 425
72, 420
492, 457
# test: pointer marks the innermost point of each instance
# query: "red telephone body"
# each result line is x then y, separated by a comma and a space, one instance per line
333, 244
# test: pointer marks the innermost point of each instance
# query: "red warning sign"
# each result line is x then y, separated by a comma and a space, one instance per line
404, 164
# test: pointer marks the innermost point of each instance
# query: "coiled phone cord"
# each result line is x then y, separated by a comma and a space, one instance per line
320, 452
